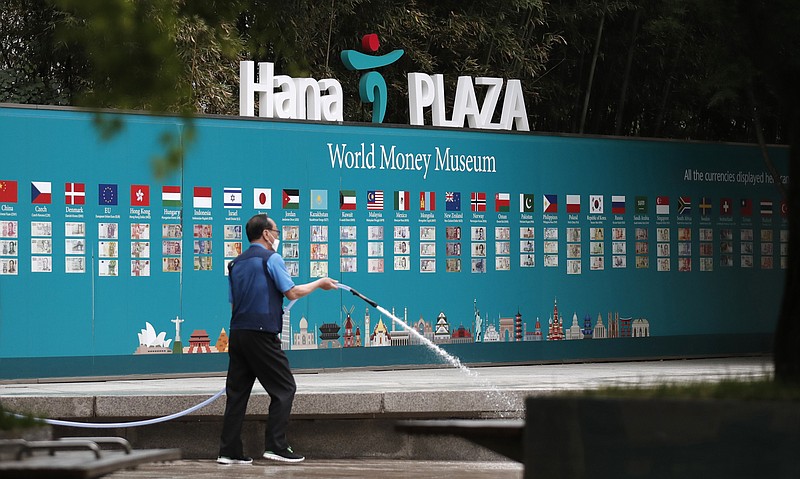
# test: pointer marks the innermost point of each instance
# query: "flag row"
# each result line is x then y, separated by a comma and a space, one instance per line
108, 194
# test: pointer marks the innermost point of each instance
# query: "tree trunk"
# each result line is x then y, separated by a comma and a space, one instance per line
623, 95
591, 70
787, 332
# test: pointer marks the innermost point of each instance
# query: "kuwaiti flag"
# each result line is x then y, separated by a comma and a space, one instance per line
596, 204
662, 205
402, 200
74, 193
502, 202
202, 197
291, 199
618, 205
347, 199
262, 198
171, 196
232, 197
550, 204
573, 203
41, 192
427, 201
140, 195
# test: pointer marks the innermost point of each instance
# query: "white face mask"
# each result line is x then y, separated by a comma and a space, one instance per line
275, 243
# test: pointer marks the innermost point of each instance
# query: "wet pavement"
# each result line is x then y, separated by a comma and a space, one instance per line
310, 469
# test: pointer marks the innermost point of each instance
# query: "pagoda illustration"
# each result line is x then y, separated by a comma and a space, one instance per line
329, 339
442, 332
199, 342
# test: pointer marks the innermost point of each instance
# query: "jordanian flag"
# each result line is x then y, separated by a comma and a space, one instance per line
171, 196
291, 199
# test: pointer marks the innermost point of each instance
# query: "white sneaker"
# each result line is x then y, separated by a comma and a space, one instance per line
234, 460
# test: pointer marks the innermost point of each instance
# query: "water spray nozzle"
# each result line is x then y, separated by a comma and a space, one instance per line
356, 293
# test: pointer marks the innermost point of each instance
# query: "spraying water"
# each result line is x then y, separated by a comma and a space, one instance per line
506, 405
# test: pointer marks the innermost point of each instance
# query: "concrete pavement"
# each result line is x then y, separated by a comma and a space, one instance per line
350, 414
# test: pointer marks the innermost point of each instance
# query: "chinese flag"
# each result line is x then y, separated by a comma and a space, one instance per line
8, 191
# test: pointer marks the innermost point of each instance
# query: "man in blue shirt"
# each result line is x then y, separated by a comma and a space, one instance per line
258, 283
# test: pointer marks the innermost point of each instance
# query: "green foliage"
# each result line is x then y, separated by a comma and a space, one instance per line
10, 422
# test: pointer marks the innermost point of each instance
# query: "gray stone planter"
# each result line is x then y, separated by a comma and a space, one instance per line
652, 438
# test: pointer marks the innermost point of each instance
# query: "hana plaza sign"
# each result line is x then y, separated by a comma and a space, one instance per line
281, 96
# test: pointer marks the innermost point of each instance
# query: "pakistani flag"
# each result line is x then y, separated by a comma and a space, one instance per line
526, 203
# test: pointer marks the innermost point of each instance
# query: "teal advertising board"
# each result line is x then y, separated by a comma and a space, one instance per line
526, 241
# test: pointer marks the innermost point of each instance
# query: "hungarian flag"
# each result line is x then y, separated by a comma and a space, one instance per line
502, 202
140, 195
75, 193
171, 196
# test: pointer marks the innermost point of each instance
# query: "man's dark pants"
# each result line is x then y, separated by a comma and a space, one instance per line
256, 355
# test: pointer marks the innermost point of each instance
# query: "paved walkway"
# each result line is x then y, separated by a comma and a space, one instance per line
365, 394
328, 469
538, 379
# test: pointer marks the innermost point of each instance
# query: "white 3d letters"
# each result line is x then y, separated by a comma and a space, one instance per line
282, 96
428, 91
